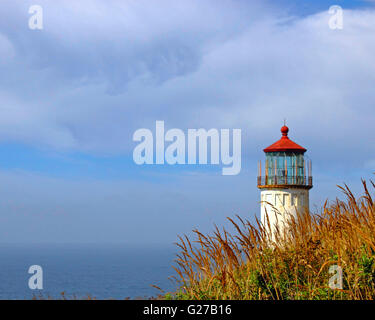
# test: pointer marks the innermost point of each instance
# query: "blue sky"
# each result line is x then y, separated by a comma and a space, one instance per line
73, 93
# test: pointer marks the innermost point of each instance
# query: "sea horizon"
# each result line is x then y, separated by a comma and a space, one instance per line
79, 270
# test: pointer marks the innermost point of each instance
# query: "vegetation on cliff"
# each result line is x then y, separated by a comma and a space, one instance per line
302, 263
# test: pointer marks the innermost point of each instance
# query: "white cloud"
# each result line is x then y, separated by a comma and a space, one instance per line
99, 70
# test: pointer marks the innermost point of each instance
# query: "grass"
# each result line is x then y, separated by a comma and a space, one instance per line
295, 264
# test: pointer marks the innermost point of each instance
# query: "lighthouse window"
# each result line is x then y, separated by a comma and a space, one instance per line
285, 167
279, 201
294, 200
285, 200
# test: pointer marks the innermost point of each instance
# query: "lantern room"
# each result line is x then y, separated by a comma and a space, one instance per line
285, 165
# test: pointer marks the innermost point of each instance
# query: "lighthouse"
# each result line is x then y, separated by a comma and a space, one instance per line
284, 181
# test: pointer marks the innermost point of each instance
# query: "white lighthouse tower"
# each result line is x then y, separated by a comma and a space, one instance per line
284, 183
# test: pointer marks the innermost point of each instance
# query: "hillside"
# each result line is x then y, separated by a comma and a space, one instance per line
304, 263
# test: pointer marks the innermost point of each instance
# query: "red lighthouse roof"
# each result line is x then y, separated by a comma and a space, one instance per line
285, 144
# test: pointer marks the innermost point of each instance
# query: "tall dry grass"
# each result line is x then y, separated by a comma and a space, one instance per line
251, 264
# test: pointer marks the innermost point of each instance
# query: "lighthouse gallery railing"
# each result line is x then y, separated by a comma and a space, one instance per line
284, 180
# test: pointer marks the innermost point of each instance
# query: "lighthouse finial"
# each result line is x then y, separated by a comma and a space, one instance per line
285, 129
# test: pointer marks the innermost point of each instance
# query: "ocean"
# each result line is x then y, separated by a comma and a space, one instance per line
101, 271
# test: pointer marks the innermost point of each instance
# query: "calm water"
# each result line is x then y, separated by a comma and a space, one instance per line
103, 271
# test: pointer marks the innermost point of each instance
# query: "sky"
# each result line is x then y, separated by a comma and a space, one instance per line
73, 94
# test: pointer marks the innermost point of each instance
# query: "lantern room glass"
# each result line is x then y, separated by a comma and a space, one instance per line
285, 168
